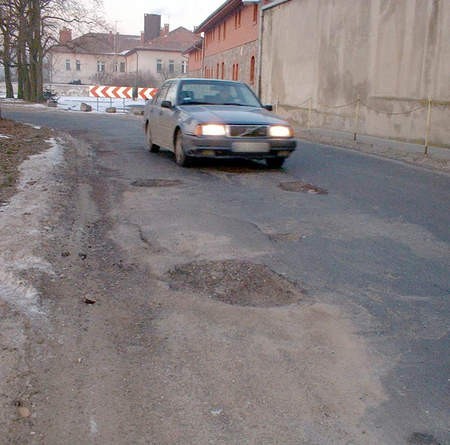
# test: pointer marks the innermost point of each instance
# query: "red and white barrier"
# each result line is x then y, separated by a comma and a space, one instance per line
120, 92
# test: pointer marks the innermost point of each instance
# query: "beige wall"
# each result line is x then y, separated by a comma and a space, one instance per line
394, 54
145, 63
88, 67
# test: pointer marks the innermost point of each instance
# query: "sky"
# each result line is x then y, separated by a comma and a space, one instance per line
127, 17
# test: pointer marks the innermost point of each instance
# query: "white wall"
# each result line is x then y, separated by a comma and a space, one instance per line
88, 67
394, 54
146, 63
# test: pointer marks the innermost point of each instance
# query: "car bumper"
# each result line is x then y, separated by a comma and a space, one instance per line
251, 148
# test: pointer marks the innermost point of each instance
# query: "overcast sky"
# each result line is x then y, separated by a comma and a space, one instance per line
128, 16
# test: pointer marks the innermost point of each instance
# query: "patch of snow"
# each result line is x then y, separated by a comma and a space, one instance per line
36, 127
17, 293
4, 136
72, 103
21, 232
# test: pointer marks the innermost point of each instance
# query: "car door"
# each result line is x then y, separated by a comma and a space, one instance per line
155, 115
168, 117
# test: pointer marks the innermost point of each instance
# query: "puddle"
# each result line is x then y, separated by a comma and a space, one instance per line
156, 182
235, 282
299, 186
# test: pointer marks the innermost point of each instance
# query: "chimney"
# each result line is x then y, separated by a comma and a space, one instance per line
152, 26
165, 30
65, 35
142, 38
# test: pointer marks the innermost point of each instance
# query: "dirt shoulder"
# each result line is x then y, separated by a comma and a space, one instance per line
17, 142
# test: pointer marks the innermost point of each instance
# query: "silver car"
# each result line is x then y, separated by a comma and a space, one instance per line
209, 118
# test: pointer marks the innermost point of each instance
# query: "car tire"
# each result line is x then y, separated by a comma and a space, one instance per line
151, 146
275, 162
180, 156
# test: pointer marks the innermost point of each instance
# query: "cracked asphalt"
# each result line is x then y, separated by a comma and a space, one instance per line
224, 308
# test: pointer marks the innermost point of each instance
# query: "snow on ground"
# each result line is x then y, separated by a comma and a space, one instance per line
99, 105
73, 103
20, 233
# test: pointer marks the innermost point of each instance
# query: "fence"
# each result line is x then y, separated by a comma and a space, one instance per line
349, 115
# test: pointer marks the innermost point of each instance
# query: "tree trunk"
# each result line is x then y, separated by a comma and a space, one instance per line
8, 81
7, 62
35, 51
23, 74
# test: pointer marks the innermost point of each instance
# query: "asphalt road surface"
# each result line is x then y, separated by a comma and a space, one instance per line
235, 304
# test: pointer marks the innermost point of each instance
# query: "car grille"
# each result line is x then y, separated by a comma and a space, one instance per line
248, 131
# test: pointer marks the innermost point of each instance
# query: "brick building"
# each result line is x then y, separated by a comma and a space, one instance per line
229, 48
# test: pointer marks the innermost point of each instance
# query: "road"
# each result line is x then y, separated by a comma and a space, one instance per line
230, 310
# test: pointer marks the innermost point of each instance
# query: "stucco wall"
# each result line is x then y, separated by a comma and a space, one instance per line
143, 61
88, 67
393, 54
240, 55
146, 61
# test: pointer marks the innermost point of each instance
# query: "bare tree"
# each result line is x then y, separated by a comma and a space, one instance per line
8, 31
29, 28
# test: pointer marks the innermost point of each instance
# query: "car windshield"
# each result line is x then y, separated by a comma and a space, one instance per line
216, 93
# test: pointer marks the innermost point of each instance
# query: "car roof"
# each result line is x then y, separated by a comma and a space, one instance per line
202, 79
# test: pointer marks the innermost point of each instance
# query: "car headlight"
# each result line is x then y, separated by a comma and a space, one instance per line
280, 131
211, 130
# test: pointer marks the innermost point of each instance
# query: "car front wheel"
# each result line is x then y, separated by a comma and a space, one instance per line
151, 146
275, 162
180, 156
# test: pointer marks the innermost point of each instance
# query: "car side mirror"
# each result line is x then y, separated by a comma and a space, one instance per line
268, 107
166, 104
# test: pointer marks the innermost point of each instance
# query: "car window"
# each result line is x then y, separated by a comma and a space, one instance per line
172, 92
216, 93
161, 94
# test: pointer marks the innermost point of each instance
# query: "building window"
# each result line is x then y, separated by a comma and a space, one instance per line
255, 13
159, 66
252, 70
171, 66
78, 65
67, 65
122, 67
235, 71
224, 31
100, 66
115, 67
237, 19
223, 70
183, 67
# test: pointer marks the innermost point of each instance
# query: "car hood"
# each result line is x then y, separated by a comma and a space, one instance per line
231, 114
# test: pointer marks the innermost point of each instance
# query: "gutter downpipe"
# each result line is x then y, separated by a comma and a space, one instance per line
203, 54
260, 39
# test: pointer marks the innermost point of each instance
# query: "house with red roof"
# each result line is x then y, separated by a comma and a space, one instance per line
113, 58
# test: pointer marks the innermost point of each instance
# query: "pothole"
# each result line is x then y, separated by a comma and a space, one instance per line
422, 439
156, 182
286, 236
235, 282
299, 186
